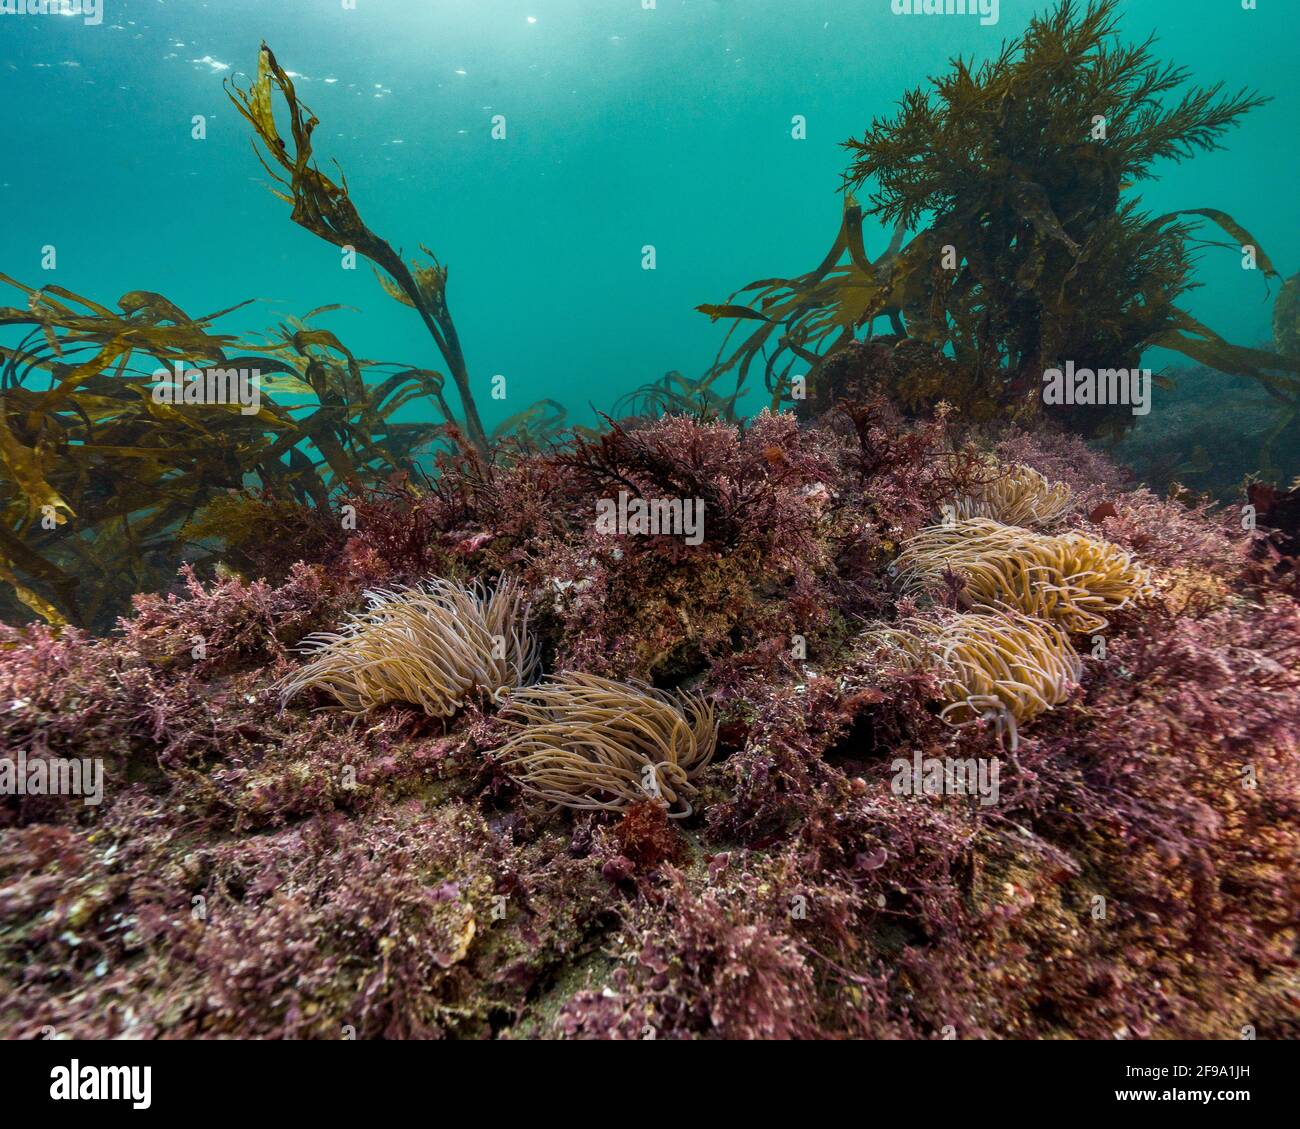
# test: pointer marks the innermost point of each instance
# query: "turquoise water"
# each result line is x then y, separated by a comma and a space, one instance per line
625, 127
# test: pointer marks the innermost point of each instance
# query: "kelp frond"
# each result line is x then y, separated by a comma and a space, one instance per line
592, 744
533, 429
325, 208
804, 320
676, 394
98, 475
431, 646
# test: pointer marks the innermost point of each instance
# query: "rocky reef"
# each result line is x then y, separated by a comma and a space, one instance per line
324, 868
897, 710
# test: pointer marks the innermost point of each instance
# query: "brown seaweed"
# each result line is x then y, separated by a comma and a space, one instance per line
1032, 253
98, 477
325, 209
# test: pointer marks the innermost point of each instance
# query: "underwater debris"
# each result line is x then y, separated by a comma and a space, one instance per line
1004, 667
593, 744
430, 646
1019, 495
1072, 579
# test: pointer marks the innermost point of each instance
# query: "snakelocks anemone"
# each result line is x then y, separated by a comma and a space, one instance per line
1070, 578
1005, 667
1019, 495
590, 743
431, 646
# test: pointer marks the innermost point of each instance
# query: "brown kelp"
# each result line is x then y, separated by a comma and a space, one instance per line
727, 850
676, 394
1033, 254
99, 473
325, 208
100, 477
806, 319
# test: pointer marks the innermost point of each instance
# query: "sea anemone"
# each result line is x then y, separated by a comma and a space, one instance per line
593, 744
1006, 668
1019, 495
1070, 578
430, 646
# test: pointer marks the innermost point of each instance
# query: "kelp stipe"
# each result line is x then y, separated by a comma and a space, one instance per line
326, 209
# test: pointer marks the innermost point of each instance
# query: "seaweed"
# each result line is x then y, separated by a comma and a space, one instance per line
99, 476
676, 394
536, 426
326, 209
1031, 254
337, 864
824, 307
281, 873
